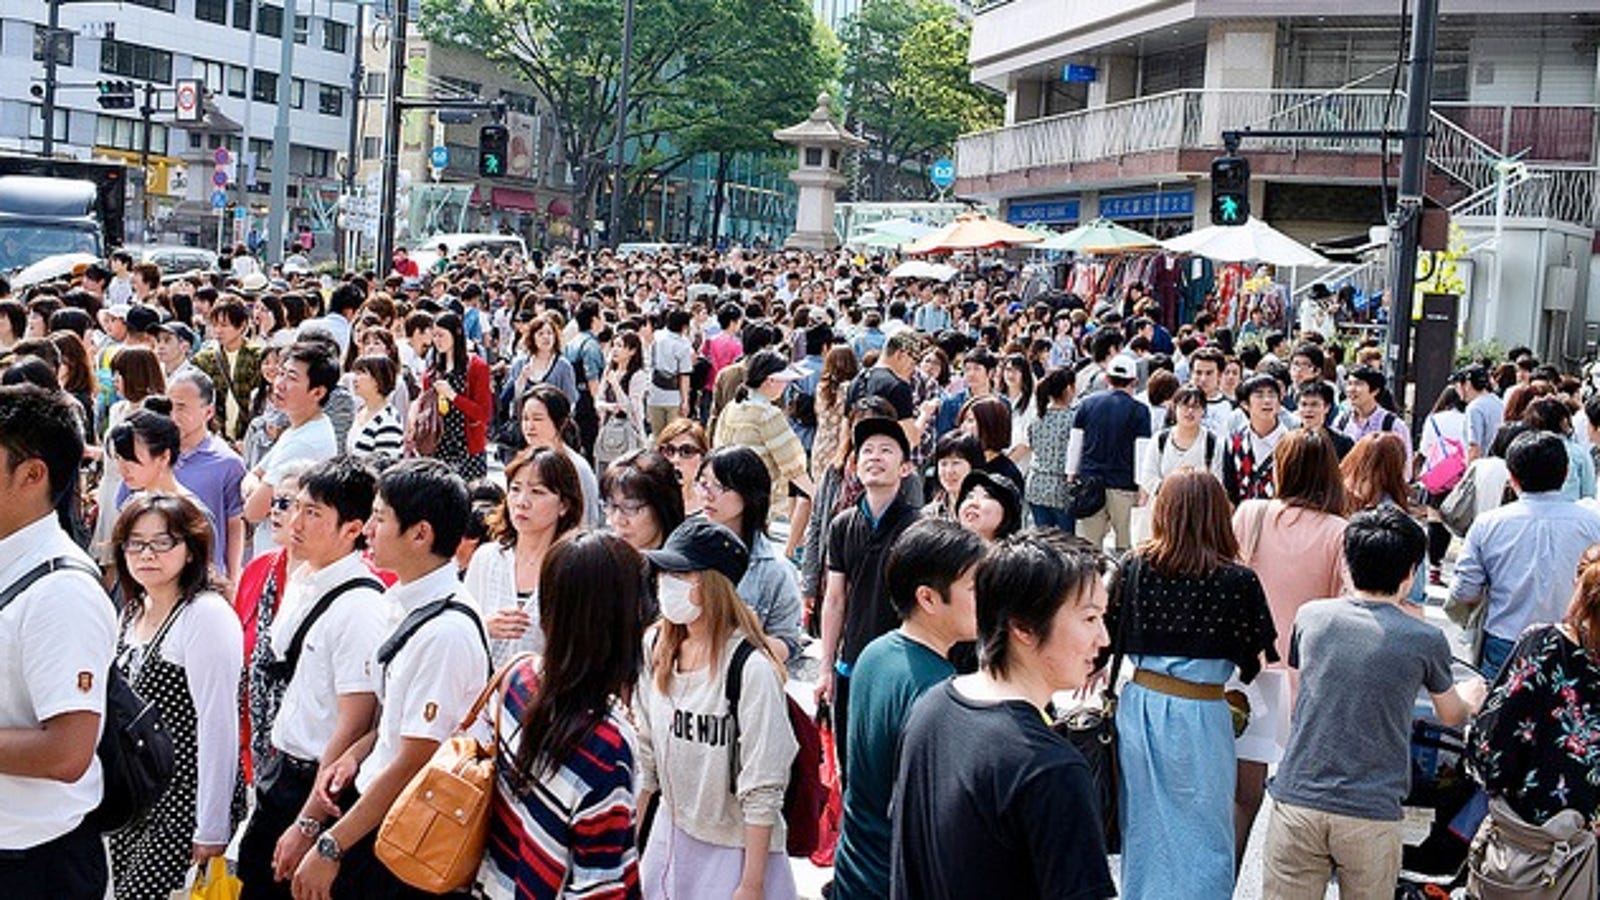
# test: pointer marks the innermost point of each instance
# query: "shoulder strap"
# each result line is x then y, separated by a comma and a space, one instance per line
1128, 592
1161, 440
41, 570
291, 657
421, 616
732, 690
1211, 446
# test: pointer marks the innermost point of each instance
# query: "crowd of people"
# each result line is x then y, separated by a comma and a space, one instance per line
636, 496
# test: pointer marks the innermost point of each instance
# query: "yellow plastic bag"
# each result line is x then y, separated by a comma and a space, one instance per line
215, 882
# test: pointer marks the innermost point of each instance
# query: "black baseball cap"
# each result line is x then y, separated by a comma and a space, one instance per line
875, 425
700, 545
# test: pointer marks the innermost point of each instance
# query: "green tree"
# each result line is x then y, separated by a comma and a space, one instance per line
699, 70
908, 85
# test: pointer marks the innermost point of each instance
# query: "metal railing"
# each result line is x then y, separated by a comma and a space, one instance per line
1549, 134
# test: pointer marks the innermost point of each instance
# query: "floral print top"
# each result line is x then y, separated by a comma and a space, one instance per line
1536, 742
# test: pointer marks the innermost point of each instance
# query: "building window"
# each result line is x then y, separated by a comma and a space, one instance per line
236, 76
319, 163
335, 36
213, 74
128, 134
371, 147
64, 44
134, 61
302, 29
36, 124
241, 14
262, 151
297, 93
211, 11
330, 100
269, 20
374, 85
265, 90
163, 5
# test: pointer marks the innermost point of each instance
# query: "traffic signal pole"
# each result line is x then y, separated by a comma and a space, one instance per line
1405, 221
391, 136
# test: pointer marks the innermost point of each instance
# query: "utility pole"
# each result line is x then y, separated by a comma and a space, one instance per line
147, 114
244, 169
391, 135
47, 146
614, 225
1406, 220
353, 146
281, 154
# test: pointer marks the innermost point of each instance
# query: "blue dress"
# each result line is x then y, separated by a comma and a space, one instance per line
1176, 801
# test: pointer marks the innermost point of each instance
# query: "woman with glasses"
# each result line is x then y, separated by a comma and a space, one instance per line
736, 490
1186, 444
683, 443
543, 503
180, 648
642, 501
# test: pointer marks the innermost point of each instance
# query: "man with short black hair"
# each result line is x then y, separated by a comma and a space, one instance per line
317, 660
1109, 434
233, 364
1519, 558
977, 372
1362, 660
671, 362
1205, 371
57, 638
1363, 415
431, 668
13, 324
1486, 412
1313, 405
1247, 460
930, 584
306, 376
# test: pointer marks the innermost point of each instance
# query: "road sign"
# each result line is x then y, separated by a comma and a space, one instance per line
942, 173
221, 157
219, 177
219, 199
240, 211
187, 108
440, 157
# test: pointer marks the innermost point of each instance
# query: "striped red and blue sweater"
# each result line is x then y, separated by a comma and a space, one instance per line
570, 833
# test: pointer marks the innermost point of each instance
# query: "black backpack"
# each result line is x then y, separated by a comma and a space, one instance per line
135, 748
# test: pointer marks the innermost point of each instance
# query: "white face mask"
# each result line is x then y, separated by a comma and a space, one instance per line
676, 605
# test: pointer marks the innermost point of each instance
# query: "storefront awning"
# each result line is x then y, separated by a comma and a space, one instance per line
510, 198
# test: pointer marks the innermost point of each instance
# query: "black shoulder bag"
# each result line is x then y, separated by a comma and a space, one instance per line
1093, 728
135, 748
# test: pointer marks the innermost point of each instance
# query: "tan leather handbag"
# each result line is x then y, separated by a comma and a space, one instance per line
434, 835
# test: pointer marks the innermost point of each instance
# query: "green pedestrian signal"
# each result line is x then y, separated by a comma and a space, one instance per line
493, 144
1230, 190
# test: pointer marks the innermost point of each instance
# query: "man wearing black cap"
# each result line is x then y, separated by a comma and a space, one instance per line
1486, 412
855, 608
144, 323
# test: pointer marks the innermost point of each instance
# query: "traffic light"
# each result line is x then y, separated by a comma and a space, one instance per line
1230, 190
493, 143
115, 94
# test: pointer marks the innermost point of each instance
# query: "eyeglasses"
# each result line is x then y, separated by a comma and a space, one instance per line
627, 509
282, 504
680, 451
712, 489
158, 544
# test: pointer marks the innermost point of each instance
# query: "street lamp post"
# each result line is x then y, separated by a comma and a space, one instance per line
47, 146
281, 154
614, 225
391, 134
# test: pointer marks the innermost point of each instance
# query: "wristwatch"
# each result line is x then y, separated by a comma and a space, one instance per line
308, 826
328, 848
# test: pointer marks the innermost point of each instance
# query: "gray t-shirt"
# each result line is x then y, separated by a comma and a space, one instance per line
1361, 665
671, 355
1485, 414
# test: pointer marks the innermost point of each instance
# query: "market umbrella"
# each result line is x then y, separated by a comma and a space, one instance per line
1253, 242
973, 231
877, 239
902, 227
916, 268
1099, 236
52, 267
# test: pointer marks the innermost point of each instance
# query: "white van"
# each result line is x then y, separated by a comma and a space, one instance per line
426, 251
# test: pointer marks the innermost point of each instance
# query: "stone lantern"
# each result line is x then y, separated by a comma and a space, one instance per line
822, 142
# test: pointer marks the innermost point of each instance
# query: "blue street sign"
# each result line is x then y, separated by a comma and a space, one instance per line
1079, 74
1050, 212
1152, 205
440, 157
942, 173
240, 212
219, 199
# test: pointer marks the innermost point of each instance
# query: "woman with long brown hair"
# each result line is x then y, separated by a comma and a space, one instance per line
1295, 544
1374, 474
572, 759
135, 374
1532, 745
838, 368
76, 375
719, 831
1189, 617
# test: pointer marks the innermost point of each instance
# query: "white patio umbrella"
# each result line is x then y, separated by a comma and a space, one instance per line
901, 227
916, 268
52, 267
1253, 242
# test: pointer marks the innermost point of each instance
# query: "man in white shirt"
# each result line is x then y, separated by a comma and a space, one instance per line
57, 638
432, 667
324, 637
671, 361
305, 378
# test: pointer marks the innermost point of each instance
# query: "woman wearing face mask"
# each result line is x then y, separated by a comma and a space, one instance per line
718, 833
546, 417
543, 503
